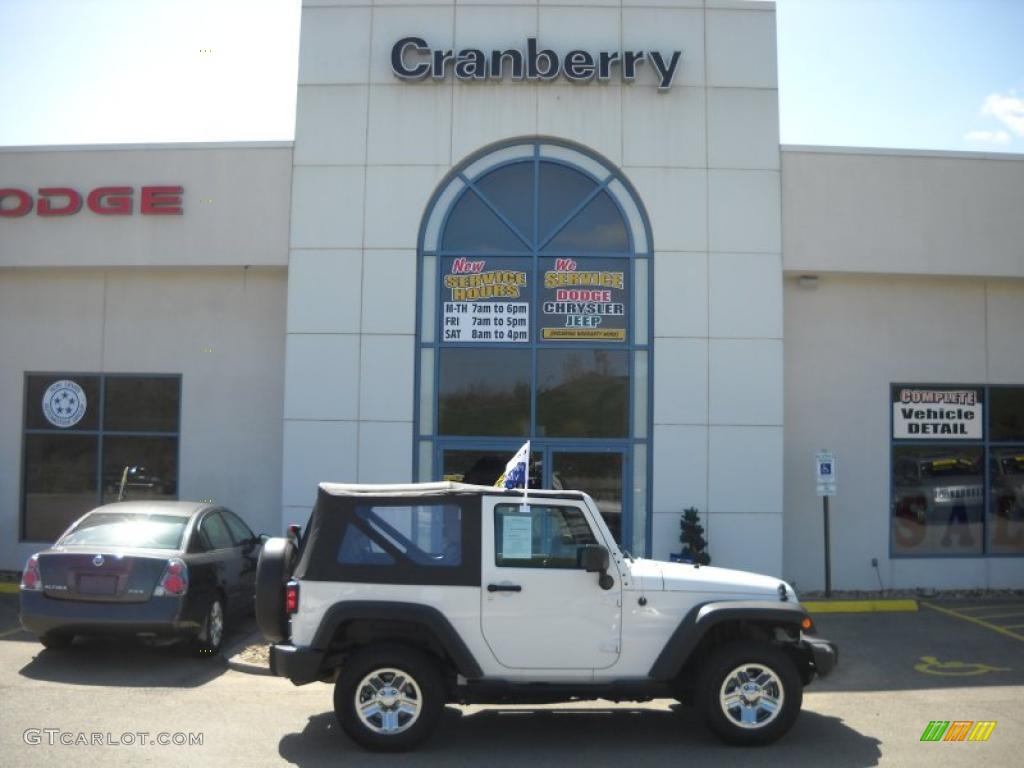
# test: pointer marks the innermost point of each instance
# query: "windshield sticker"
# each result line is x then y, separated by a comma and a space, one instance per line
516, 537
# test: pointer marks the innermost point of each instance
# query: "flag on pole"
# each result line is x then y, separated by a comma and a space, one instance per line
517, 471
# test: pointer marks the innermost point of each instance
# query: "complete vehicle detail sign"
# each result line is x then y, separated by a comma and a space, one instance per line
413, 59
937, 413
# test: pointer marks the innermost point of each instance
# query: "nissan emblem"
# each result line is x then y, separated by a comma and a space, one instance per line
98, 560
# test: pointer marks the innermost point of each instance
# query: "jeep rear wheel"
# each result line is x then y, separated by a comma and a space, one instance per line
750, 693
388, 698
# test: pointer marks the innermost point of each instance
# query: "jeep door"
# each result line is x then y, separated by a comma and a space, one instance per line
539, 608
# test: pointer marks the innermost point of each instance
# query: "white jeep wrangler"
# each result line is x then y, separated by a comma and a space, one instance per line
410, 596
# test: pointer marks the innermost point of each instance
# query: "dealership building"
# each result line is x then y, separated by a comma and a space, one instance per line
566, 223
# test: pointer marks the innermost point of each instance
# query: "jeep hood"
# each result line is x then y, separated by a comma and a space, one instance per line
651, 575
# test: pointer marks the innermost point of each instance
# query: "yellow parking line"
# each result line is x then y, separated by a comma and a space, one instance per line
978, 607
1013, 626
975, 620
1001, 615
8, 588
10, 632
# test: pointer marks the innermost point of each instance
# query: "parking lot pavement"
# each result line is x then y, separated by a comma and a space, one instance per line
936, 647
872, 711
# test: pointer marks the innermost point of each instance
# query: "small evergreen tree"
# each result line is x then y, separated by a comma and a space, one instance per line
692, 537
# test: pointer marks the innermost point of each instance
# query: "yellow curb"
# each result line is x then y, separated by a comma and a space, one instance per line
859, 606
8, 588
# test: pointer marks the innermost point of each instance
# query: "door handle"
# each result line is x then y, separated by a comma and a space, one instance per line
504, 588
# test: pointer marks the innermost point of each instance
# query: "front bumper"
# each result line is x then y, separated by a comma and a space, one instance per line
824, 653
160, 616
300, 665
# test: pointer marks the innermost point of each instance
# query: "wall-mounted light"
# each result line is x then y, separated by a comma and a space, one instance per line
808, 281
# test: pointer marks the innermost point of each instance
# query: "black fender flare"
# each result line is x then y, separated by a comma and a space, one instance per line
428, 617
701, 618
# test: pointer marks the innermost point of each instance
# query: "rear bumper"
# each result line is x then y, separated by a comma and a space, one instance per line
824, 653
162, 616
300, 665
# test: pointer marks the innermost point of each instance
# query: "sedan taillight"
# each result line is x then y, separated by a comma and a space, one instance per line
174, 582
31, 580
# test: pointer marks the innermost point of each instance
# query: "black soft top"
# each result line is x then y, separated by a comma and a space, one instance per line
336, 507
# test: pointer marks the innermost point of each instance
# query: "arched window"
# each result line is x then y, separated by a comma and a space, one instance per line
534, 322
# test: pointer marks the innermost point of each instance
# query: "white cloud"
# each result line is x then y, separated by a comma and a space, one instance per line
1008, 109
988, 137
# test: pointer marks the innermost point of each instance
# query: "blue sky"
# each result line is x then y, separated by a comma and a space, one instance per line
918, 74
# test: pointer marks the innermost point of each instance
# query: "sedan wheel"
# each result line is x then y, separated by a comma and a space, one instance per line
209, 641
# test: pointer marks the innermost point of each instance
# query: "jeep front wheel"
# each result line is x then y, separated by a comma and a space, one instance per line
750, 693
389, 698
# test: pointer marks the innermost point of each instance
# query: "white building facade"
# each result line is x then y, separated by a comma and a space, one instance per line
568, 224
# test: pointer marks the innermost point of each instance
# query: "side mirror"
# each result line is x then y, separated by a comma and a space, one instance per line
593, 558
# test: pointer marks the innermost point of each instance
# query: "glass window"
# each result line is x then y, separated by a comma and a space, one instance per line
528, 324
582, 393
543, 537
504, 187
938, 498
484, 392
423, 535
92, 439
109, 529
561, 191
216, 532
239, 530
598, 228
359, 549
139, 468
473, 227
1007, 404
957, 474
1006, 500
60, 482
142, 404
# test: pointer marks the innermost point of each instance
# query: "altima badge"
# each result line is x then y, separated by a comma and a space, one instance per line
98, 560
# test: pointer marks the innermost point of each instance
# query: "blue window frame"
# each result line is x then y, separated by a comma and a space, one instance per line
534, 317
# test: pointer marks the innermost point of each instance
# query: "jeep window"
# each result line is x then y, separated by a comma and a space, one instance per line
544, 537
425, 535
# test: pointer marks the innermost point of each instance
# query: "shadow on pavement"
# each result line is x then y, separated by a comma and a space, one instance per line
569, 736
124, 662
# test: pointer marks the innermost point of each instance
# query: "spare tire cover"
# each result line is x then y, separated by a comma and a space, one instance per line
272, 573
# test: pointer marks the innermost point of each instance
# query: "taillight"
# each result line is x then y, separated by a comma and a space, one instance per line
291, 598
30, 578
174, 582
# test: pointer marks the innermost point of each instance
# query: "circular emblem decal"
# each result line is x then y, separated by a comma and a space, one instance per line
64, 403
98, 560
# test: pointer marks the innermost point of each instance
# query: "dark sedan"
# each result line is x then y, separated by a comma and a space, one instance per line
144, 568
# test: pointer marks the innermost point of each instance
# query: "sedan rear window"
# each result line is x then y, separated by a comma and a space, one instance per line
121, 530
